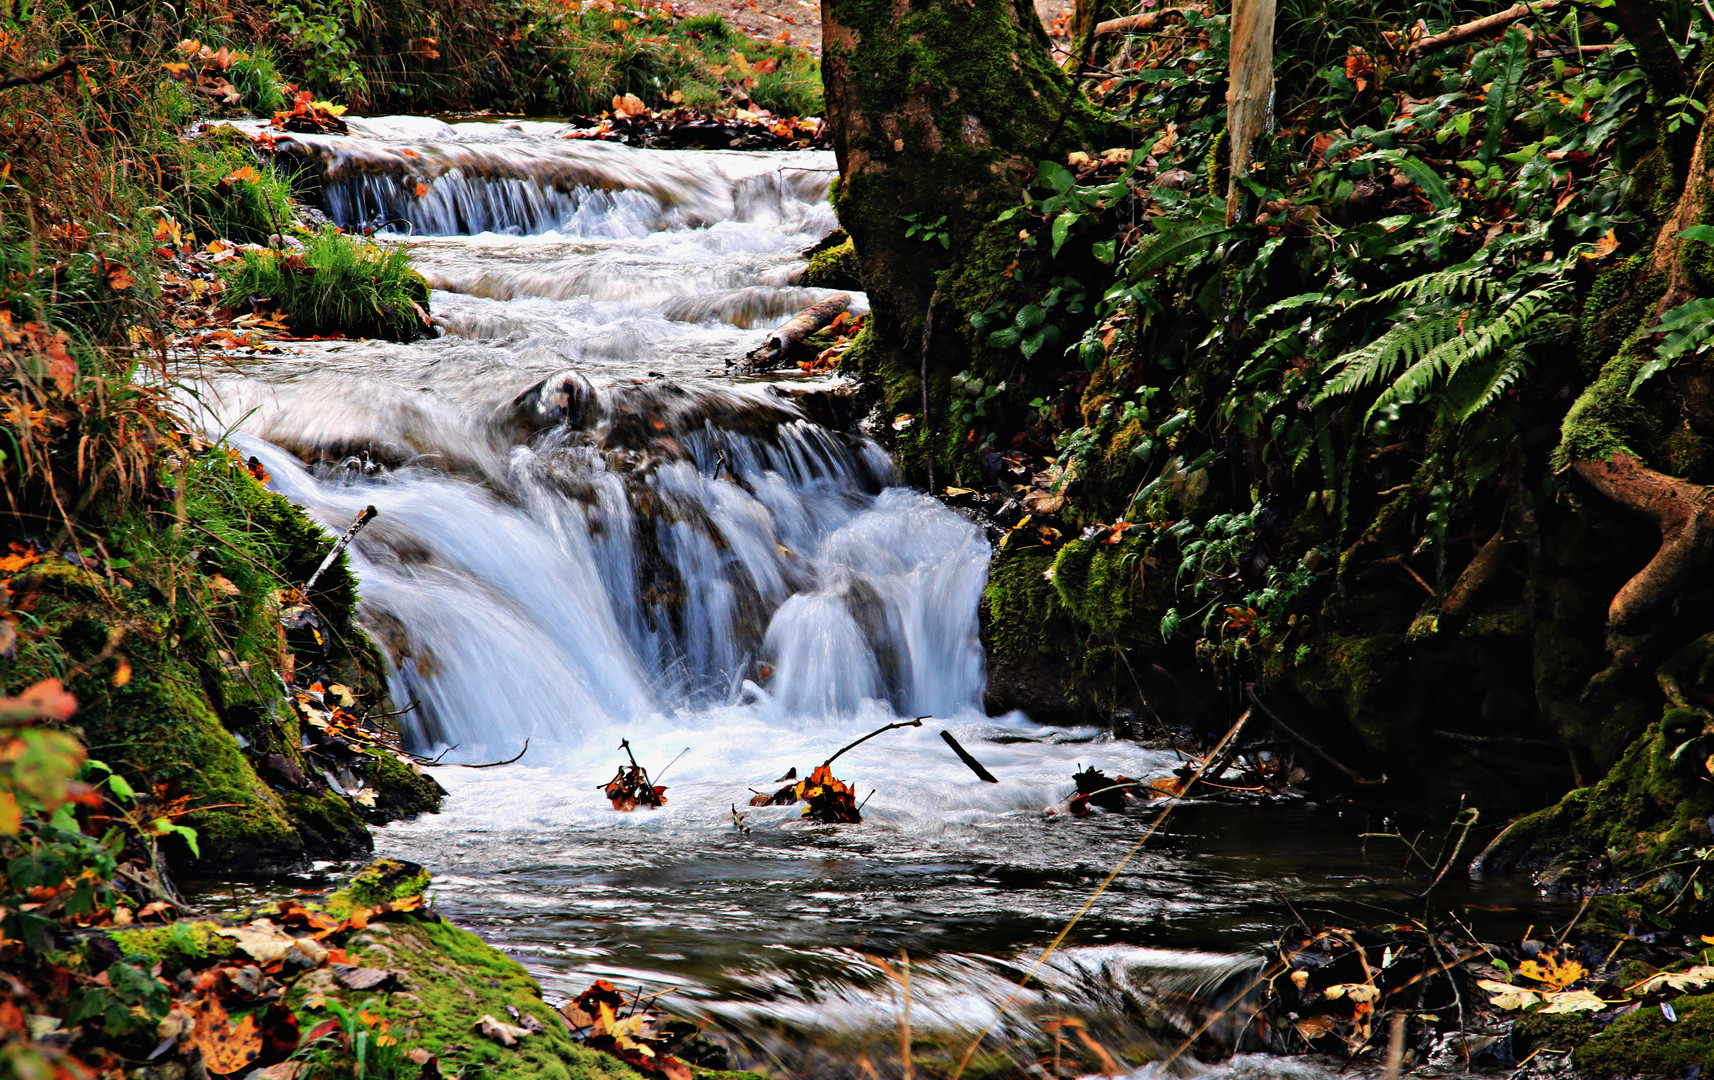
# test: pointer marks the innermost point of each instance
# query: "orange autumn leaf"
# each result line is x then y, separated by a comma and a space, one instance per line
421, 190
226, 1048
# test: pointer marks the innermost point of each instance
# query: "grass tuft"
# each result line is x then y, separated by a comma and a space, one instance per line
337, 285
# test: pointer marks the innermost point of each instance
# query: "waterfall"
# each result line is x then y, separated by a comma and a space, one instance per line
583, 523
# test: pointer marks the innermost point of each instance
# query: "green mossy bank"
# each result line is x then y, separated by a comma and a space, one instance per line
173, 643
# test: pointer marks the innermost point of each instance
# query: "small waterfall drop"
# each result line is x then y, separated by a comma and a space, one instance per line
582, 525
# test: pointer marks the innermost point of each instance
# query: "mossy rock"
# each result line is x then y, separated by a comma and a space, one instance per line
195, 620
833, 265
1645, 1044
384, 881
1649, 813
174, 944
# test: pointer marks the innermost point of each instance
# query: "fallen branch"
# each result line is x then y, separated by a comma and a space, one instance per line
1352, 774
878, 731
68, 64
1143, 23
964, 756
491, 764
339, 547
1682, 511
1476, 28
806, 322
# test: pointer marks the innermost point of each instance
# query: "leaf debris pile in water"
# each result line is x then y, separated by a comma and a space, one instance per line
630, 786
635, 1033
826, 799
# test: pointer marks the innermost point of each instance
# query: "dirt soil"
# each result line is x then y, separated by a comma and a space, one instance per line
800, 20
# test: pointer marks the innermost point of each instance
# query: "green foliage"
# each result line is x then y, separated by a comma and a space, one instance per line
1689, 329
1456, 329
337, 285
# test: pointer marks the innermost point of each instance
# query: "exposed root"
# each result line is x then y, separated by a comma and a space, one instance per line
1684, 513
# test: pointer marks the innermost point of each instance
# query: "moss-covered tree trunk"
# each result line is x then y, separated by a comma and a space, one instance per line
939, 111
1646, 448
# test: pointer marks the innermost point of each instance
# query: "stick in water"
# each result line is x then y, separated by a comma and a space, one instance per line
363, 519
902, 723
964, 756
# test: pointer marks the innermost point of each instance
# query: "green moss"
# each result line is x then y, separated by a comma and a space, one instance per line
451, 979
174, 944
1640, 825
833, 267
1026, 613
1645, 1044
1101, 585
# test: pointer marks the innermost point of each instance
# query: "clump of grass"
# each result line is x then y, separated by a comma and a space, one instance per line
259, 82
226, 192
336, 285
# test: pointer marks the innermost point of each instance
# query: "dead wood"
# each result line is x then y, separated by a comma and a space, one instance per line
1682, 511
1143, 23
38, 77
964, 756
806, 322
1249, 90
1489, 24
1487, 562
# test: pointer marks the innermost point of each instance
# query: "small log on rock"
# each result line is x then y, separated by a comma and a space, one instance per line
806, 322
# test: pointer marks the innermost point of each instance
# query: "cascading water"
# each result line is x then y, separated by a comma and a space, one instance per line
588, 533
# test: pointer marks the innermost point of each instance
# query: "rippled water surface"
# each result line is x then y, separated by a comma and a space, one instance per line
587, 533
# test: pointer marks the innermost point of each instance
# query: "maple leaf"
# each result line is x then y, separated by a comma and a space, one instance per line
1550, 972
226, 1048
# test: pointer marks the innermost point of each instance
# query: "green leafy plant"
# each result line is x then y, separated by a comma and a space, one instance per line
929, 232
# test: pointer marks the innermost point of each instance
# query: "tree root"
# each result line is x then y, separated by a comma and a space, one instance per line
1684, 513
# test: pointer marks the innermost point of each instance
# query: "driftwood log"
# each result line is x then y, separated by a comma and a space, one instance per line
773, 351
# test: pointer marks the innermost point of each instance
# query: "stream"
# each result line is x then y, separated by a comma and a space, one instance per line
588, 532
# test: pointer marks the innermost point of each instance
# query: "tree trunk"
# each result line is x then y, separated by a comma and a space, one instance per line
1249, 90
936, 110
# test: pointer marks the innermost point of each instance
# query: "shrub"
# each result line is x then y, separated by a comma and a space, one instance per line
337, 285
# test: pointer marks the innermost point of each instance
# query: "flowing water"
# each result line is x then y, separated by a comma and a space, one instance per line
588, 533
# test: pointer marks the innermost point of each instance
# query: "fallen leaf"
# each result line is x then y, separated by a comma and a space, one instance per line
503, 1033
1571, 1001
1509, 997
226, 1048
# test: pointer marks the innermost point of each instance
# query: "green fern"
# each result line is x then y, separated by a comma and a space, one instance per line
1689, 328
1470, 341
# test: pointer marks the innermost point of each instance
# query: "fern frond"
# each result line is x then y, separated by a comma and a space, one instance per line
1524, 319
1405, 342
1477, 386
1464, 281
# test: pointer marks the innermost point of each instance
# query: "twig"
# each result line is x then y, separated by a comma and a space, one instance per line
39, 77
1137, 24
902, 723
1100, 890
1458, 35
671, 763
964, 756
1355, 776
339, 547
492, 764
